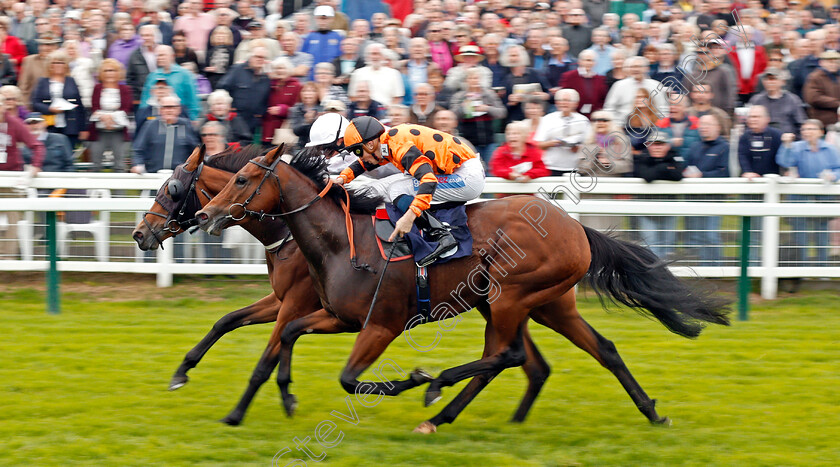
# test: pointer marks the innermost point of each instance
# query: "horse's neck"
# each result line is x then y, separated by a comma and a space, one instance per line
268, 232
320, 232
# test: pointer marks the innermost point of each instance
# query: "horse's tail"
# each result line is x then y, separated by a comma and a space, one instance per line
634, 276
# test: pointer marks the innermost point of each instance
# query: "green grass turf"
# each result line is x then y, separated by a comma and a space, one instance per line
89, 386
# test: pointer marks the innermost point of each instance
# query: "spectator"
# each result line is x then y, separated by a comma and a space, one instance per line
151, 109
350, 60
179, 79
249, 86
490, 44
658, 161
111, 105
535, 42
621, 99
213, 137
559, 64
219, 57
518, 159
304, 113
235, 128
477, 108
165, 142
785, 108
576, 32
417, 67
618, 72
439, 48
424, 108
681, 128
701, 104
606, 152
283, 95
58, 154
324, 44
14, 101
327, 91
389, 88
603, 51
592, 88
35, 66
13, 132
256, 38
707, 159
10, 45
442, 95
183, 55
521, 82
561, 133
57, 98
142, 61
803, 66
362, 104
759, 144
667, 72
96, 34
534, 112
225, 18
393, 40
812, 157
153, 18
640, 124
822, 89
301, 61
81, 69
468, 57
196, 26
397, 115
749, 61
719, 75
128, 41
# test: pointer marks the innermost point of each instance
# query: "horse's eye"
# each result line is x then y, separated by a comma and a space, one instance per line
240, 180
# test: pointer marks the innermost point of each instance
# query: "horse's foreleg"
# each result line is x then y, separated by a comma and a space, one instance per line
263, 311
563, 317
370, 344
269, 359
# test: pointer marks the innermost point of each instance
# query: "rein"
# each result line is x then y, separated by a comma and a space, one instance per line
345, 206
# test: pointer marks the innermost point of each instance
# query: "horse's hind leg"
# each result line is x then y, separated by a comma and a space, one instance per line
563, 317
537, 371
263, 311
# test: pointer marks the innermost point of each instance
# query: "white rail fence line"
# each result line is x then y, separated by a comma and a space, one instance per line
574, 191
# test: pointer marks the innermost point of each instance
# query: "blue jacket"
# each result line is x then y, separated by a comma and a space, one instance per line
150, 144
809, 163
757, 151
324, 46
182, 83
76, 119
249, 93
691, 135
711, 157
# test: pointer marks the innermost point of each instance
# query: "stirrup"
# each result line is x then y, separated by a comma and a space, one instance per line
441, 251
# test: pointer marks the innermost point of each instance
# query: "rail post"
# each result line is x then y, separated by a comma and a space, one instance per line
53, 276
744, 279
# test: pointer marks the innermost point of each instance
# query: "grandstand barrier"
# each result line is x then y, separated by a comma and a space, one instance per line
120, 200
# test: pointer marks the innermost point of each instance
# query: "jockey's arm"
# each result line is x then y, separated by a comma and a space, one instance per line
420, 167
355, 169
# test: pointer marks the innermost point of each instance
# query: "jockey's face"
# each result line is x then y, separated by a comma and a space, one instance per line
372, 149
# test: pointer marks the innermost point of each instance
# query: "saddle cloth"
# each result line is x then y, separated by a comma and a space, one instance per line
454, 214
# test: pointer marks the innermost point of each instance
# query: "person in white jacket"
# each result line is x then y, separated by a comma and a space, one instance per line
82, 70
622, 95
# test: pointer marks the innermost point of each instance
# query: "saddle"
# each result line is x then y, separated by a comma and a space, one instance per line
384, 228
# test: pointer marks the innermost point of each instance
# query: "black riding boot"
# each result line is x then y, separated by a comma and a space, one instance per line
435, 231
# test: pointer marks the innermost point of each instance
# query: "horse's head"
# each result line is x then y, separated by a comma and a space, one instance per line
254, 190
175, 205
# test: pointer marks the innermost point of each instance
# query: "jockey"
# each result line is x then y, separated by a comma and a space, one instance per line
437, 167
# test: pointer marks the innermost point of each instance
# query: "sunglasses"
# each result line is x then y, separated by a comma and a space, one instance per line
600, 119
204, 135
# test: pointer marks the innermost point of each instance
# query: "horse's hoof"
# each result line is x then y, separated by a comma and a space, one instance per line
290, 403
426, 428
663, 421
432, 397
178, 381
420, 376
232, 421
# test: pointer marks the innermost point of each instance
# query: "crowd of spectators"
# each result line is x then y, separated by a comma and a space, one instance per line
655, 87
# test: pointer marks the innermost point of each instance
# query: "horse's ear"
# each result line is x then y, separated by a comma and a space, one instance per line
274, 155
196, 158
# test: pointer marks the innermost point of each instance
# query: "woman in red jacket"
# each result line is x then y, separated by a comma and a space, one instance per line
518, 159
284, 94
11, 45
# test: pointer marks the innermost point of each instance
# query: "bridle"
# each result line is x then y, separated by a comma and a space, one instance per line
175, 224
269, 170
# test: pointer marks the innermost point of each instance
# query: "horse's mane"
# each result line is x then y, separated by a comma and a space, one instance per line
232, 160
312, 164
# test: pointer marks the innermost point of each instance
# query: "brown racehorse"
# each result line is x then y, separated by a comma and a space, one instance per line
294, 295
547, 254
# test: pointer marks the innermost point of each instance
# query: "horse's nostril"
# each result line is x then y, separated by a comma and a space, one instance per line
138, 236
202, 217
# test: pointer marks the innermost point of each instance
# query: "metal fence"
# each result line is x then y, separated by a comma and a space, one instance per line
696, 223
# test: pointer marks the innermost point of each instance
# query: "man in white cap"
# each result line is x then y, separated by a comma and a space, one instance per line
324, 44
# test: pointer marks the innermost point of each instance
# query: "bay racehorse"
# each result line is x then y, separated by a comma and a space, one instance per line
527, 257
194, 184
